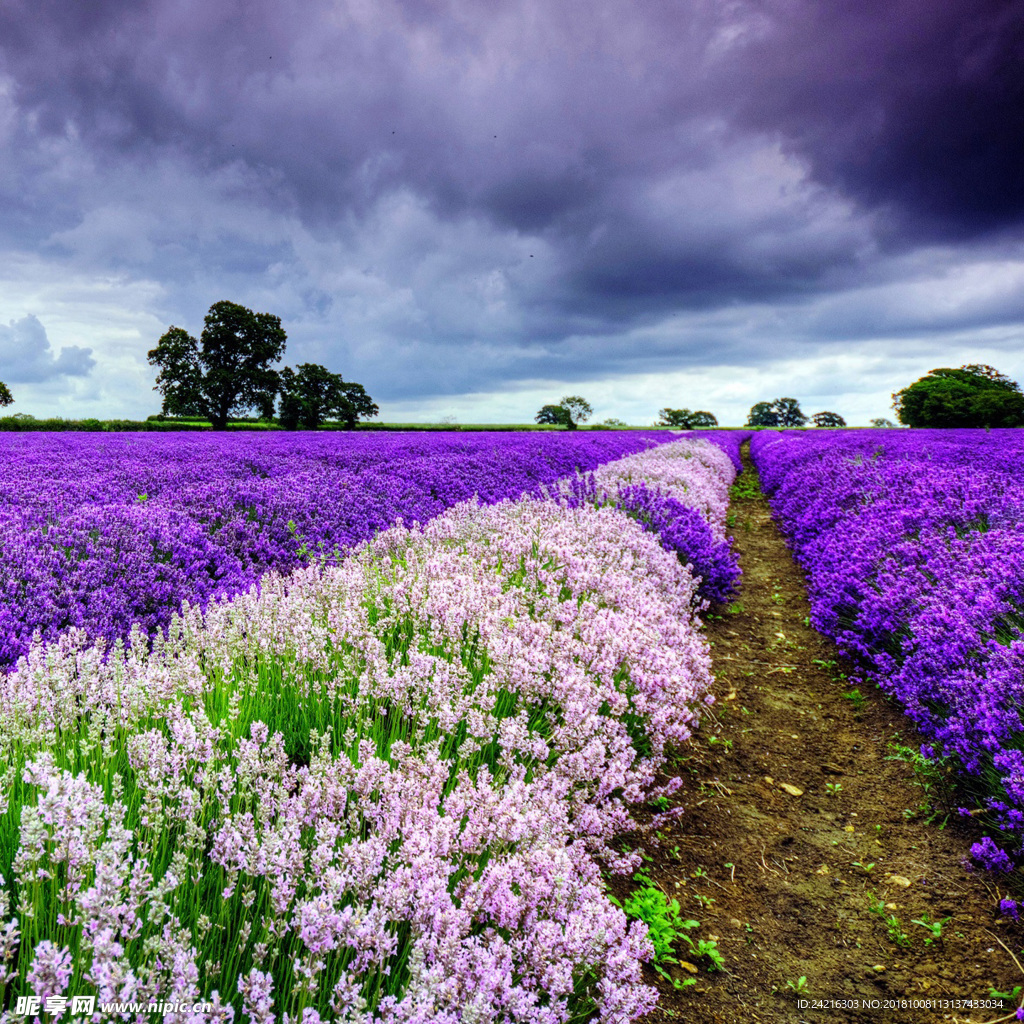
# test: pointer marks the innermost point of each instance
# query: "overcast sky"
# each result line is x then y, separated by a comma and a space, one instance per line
474, 207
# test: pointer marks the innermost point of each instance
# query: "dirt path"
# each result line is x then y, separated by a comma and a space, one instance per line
805, 849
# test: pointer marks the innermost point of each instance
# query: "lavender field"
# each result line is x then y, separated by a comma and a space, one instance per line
360, 729
376, 786
99, 532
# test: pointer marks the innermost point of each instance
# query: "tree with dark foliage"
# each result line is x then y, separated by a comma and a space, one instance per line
6, 398
975, 395
762, 415
684, 419
783, 412
788, 411
311, 394
570, 412
553, 416
355, 403
227, 372
579, 410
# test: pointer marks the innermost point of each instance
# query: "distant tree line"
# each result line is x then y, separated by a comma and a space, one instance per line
786, 412
782, 412
683, 419
227, 373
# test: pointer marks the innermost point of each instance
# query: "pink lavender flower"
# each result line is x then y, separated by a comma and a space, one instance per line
256, 989
51, 970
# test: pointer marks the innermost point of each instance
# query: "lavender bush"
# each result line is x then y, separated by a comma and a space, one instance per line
685, 531
730, 442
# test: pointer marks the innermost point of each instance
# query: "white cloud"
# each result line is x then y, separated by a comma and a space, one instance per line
27, 358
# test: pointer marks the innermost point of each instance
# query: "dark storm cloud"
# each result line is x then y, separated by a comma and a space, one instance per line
540, 119
912, 105
531, 114
477, 191
27, 358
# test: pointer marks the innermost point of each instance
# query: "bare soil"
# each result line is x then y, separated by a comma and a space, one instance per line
807, 847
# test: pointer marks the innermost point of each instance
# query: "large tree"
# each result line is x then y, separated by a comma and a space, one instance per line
553, 416
227, 372
788, 411
684, 419
570, 412
356, 403
6, 398
974, 395
311, 394
762, 415
782, 412
579, 410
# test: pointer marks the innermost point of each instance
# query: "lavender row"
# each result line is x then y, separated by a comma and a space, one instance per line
730, 441
685, 507
370, 792
914, 545
98, 532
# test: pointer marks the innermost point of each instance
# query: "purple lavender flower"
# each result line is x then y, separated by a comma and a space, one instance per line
990, 856
480, 700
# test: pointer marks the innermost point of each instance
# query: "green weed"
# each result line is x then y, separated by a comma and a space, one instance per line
934, 928
665, 926
891, 921
856, 699
931, 776
747, 487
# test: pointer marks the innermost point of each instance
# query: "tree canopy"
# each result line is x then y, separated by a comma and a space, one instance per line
974, 395
684, 419
828, 419
311, 394
6, 398
762, 415
570, 412
881, 423
578, 408
356, 404
553, 415
782, 412
227, 372
788, 411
